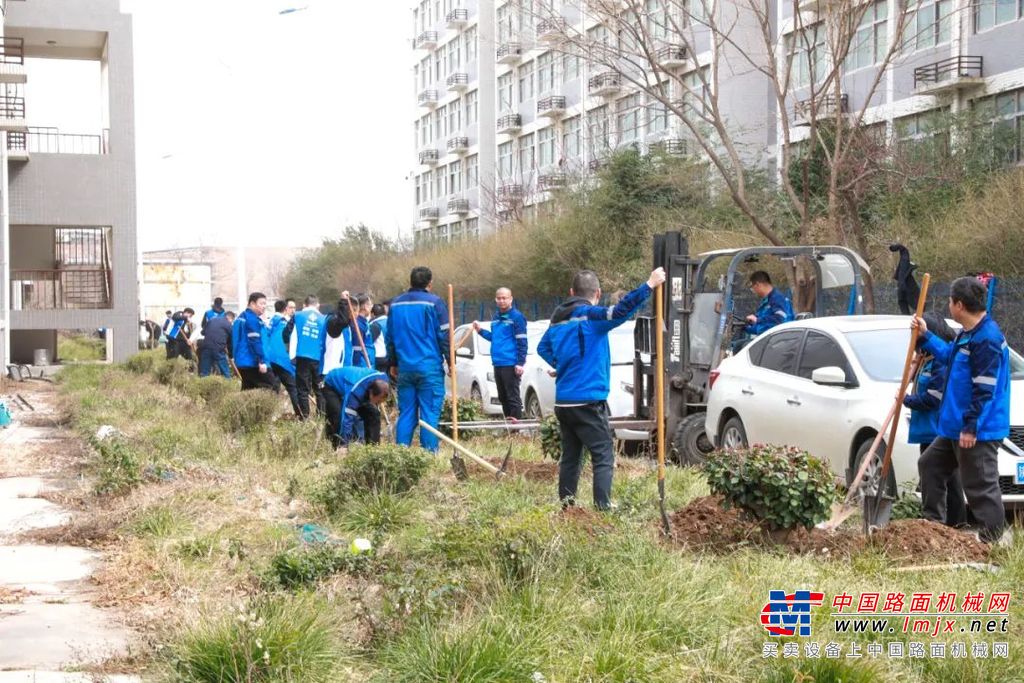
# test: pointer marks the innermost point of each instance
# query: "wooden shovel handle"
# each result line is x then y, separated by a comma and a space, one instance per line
451, 362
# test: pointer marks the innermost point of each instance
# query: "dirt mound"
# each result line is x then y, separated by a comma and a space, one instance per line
704, 525
589, 521
528, 469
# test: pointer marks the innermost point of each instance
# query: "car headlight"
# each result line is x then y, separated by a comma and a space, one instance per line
490, 376
627, 387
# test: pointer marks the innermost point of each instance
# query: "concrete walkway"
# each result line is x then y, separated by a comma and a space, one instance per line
47, 621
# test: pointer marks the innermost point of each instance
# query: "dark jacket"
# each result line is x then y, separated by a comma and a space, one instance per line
218, 335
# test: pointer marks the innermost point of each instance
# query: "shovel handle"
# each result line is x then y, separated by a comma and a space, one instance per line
451, 362
462, 449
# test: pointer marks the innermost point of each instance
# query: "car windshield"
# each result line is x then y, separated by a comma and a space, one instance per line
874, 349
621, 342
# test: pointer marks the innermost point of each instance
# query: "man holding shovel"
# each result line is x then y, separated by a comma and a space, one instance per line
576, 346
974, 416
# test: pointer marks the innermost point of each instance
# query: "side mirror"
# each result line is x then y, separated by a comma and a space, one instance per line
830, 376
464, 352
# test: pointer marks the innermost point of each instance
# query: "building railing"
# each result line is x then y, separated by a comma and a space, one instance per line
458, 206
671, 53
458, 80
822, 107
427, 38
673, 147
551, 181
606, 81
12, 50
457, 16
12, 107
17, 142
45, 140
459, 143
429, 156
429, 213
510, 193
510, 122
509, 50
552, 26
429, 98
553, 103
71, 288
961, 66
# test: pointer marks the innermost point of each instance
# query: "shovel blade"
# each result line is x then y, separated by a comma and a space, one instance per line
459, 468
877, 512
840, 513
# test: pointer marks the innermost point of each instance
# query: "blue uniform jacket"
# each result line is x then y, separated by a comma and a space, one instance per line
306, 334
775, 309
353, 385
925, 402
576, 346
247, 340
508, 338
417, 332
277, 350
976, 398
358, 359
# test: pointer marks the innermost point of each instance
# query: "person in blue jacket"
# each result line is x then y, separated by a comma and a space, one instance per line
924, 417
247, 342
576, 346
378, 326
974, 415
508, 351
353, 394
362, 306
304, 335
417, 343
774, 308
277, 350
216, 311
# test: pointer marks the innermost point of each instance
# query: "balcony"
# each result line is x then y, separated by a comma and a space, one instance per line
552, 107
675, 147
962, 71
509, 124
12, 114
825, 109
509, 53
458, 144
12, 60
429, 157
458, 82
429, 213
672, 56
552, 181
48, 140
458, 207
605, 85
429, 98
595, 165
551, 30
426, 40
511, 193
74, 287
457, 18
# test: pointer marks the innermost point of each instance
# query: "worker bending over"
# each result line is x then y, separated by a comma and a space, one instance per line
351, 395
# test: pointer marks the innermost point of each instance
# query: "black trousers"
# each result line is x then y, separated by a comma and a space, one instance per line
956, 508
307, 381
979, 474
508, 391
368, 413
287, 379
252, 378
586, 426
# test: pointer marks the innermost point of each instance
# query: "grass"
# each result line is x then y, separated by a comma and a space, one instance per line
474, 581
79, 348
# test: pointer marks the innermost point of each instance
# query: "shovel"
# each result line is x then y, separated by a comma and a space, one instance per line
659, 391
458, 464
498, 472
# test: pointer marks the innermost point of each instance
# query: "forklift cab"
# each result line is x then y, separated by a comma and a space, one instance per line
701, 319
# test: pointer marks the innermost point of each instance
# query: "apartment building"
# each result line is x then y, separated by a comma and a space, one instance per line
505, 112
68, 246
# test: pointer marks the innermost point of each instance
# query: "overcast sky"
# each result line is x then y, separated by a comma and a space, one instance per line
259, 128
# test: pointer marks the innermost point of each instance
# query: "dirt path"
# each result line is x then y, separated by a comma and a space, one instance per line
48, 623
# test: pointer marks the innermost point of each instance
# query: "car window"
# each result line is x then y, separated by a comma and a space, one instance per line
757, 349
881, 352
781, 351
821, 351
483, 346
1016, 365
622, 345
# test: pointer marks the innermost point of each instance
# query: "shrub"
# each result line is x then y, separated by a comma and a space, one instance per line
275, 638
247, 411
119, 470
907, 506
143, 363
375, 469
469, 411
211, 390
551, 438
782, 487
174, 373
305, 565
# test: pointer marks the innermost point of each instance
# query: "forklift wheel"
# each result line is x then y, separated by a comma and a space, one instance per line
691, 444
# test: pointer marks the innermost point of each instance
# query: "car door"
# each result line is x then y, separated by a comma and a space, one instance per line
767, 411
465, 359
822, 412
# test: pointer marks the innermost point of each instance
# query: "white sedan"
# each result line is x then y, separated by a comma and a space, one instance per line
473, 369
825, 385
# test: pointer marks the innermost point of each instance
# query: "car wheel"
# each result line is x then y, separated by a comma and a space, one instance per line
734, 435
475, 394
870, 486
533, 410
690, 444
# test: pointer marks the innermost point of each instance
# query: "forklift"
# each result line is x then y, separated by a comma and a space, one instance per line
700, 322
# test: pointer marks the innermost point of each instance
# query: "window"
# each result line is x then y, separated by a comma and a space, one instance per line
425, 73
526, 82
628, 118
695, 93
454, 117
471, 44
472, 107
424, 129
546, 73
870, 43
1006, 112
455, 177
780, 352
439, 184
821, 351
810, 57
658, 26
923, 133
454, 55
438, 66
472, 227
423, 188
570, 68
598, 40
874, 350
439, 124
696, 11
526, 154
989, 13
657, 116
505, 161
571, 142
472, 172
508, 23
600, 130
931, 25
505, 95
546, 147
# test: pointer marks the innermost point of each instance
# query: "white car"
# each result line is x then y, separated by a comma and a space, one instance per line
473, 369
538, 385
825, 385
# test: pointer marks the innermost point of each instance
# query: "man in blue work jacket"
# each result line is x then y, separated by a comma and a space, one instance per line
217, 311
351, 395
417, 343
576, 346
774, 308
247, 341
362, 356
974, 416
304, 336
508, 351
277, 350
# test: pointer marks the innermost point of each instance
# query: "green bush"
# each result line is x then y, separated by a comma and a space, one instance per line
908, 505
551, 438
210, 390
145, 362
782, 487
174, 373
247, 411
305, 565
375, 469
118, 470
469, 411
275, 638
